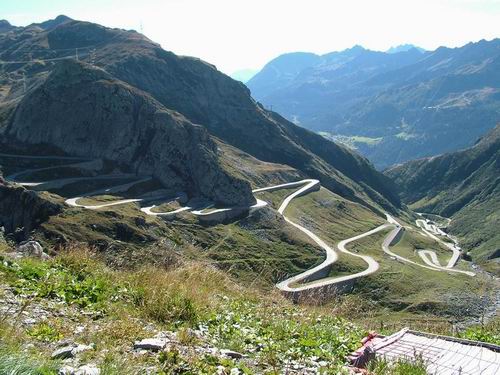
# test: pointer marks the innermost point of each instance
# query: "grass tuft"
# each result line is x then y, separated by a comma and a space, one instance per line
13, 363
402, 366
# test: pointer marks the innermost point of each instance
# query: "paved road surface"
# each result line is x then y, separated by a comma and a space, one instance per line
304, 187
430, 265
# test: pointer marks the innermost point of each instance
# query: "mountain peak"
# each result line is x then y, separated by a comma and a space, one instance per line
61, 19
50, 24
5, 26
404, 48
355, 49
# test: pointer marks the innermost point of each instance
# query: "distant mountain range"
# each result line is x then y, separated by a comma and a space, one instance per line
463, 185
392, 106
130, 101
404, 48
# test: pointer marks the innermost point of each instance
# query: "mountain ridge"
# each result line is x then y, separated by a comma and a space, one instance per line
396, 107
86, 100
403, 47
205, 96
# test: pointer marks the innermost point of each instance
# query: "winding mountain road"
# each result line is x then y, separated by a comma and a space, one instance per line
312, 279
432, 231
423, 253
205, 211
331, 254
115, 189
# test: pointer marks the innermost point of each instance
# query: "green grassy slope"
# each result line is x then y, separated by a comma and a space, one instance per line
397, 287
464, 186
263, 249
76, 284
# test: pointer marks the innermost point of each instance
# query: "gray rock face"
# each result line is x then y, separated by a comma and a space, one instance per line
154, 344
64, 352
205, 97
70, 351
22, 210
32, 248
84, 111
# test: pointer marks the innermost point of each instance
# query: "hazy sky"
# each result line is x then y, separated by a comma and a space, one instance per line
237, 34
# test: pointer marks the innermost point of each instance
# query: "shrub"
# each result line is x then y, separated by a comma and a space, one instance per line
177, 297
490, 334
44, 332
70, 282
172, 362
169, 307
402, 366
280, 334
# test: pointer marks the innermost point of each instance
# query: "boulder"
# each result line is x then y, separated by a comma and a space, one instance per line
88, 370
154, 344
70, 350
231, 354
82, 370
82, 348
66, 370
23, 210
63, 353
32, 249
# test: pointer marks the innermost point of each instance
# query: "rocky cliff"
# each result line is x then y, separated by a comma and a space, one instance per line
84, 111
204, 96
23, 210
225, 107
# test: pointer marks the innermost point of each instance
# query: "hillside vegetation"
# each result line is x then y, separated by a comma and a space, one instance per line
401, 288
198, 310
260, 249
464, 186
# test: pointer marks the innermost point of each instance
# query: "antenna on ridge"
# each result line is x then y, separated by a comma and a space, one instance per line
92, 56
76, 54
141, 28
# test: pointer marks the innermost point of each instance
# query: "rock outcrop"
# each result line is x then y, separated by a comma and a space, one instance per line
23, 210
203, 96
31, 249
84, 111
225, 107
